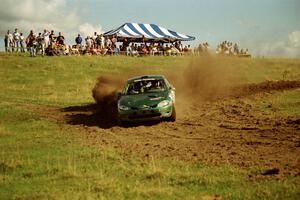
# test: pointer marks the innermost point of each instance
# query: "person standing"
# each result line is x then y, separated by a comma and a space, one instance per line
16, 40
32, 43
46, 38
40, 44
107, 42
52, 39
10, 41
88, 43
102, 41
114, 45
60, 39
94, 37
6, 41
78, 40
22, 43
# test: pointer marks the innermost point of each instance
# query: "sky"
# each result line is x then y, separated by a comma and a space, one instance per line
269, 28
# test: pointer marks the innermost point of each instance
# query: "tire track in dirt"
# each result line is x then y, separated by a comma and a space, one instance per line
223, 130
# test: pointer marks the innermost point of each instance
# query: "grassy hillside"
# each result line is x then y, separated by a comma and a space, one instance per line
43, 158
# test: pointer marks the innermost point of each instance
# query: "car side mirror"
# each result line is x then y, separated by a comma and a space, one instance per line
172, 88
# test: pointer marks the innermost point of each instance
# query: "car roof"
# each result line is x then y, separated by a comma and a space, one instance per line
146, 77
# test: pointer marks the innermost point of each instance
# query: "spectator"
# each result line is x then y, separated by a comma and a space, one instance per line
161, 50
88, 43
98, 41
174, 51
32, 43
7, 37
60, 39
94, 37
128, 48
235, 49
114, 42
10, 41
102, 41
22, 42
153, 50
107, 42
134, 50
40, 44
16, 40
78, 40
46, 39
52, 38
5, 42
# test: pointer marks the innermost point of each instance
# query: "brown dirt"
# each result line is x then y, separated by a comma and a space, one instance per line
218, 121
230, 131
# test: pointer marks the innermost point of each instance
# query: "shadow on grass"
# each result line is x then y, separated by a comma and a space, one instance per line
102, 116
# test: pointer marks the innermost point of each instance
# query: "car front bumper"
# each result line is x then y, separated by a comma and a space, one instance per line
145, 114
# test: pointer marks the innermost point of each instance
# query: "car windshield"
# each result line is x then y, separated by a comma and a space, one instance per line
145, 86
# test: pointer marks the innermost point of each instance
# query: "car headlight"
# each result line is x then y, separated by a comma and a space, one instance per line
164, 103
122, 107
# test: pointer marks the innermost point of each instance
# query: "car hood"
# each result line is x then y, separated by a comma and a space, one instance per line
140, 101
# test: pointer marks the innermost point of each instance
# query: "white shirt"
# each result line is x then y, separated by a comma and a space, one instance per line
21, 38
45, 35
10, 37
94, 37
88, 42
16, 36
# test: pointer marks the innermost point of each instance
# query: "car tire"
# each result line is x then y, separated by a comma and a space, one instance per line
124, 124
172, 118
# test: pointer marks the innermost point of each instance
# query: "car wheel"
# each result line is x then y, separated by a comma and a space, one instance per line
124, 124
172, 118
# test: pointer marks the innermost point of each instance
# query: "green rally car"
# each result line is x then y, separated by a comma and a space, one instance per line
145, 98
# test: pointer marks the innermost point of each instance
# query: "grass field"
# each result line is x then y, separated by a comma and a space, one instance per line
42, 158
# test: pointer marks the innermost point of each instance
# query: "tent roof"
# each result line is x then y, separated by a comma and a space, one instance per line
148, 32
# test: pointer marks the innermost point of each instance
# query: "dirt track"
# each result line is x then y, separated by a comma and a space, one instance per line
228, 129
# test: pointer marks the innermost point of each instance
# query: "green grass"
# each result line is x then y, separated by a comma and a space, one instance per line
44, 159
287, 103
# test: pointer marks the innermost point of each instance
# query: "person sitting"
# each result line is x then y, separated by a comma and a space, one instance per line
167, 50
174, 51
160, 49
145, 50
154, 50
134, 50
74, 50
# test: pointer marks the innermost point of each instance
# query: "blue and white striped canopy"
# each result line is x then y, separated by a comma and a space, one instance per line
147, 31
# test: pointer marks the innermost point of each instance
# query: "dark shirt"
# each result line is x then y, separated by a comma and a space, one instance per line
31, 40
60, 40
51, 37
78, 40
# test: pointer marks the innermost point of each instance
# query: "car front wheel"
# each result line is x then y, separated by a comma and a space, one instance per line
172, 118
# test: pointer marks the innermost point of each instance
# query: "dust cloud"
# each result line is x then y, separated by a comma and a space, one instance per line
205, 78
